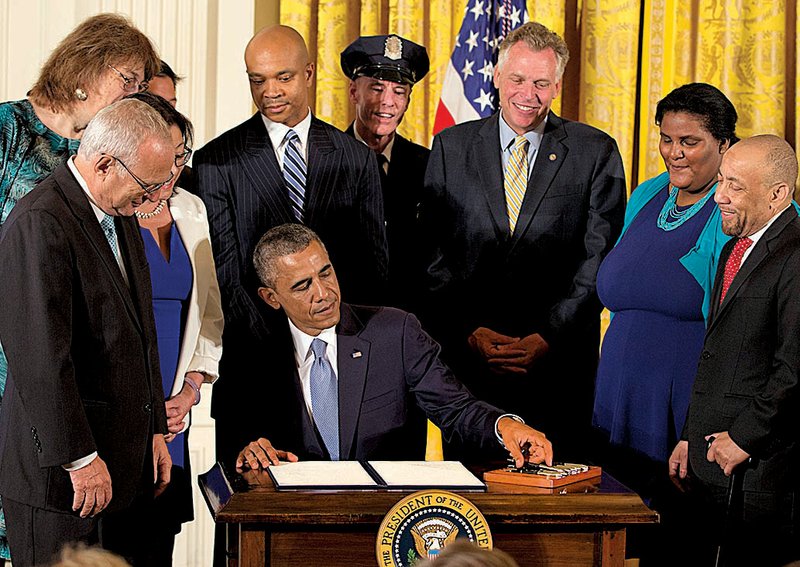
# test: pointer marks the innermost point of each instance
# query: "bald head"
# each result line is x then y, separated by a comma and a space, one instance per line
757, 181
278, 37
280, 73
778, 161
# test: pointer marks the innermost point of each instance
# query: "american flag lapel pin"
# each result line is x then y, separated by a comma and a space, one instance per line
356, 354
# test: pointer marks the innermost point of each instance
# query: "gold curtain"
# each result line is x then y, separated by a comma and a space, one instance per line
433, 24
626, 55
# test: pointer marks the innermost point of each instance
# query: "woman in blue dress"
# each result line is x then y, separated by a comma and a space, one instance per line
657, 283
188, 315
98, 63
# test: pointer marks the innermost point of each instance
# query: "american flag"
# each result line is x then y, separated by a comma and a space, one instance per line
468, 92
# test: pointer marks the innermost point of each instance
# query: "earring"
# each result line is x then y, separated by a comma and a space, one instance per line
81, 95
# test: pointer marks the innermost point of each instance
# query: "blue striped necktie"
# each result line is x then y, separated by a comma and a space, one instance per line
325, 398
294, 173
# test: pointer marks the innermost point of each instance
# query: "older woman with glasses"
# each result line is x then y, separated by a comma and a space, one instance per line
98, 63
188, 314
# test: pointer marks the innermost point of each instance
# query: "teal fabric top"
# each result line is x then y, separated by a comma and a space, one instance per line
701, 260
29, 152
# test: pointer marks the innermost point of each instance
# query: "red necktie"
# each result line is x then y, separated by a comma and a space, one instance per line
733, 264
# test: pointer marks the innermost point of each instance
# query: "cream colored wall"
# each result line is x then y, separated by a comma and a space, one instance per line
203, 40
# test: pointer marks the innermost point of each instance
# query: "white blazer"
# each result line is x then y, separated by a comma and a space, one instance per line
201, 347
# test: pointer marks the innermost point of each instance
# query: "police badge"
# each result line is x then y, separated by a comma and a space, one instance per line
393, 49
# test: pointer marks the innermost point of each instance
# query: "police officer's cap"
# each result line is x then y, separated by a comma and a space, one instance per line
385, 57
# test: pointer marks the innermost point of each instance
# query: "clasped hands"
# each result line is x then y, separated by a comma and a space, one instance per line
507, 355
721, 449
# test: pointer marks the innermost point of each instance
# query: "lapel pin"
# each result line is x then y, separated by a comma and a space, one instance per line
356, 354
552, 157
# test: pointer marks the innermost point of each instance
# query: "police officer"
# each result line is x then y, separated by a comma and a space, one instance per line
382, 71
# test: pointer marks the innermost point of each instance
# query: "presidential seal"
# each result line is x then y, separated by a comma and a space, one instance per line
422, 524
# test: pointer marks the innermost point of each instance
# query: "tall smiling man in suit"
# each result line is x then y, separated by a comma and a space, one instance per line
382, 70
355, 382
282, 165
518, 211
745, 408
82, 423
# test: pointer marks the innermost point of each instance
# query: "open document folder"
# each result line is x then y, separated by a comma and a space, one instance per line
366, 475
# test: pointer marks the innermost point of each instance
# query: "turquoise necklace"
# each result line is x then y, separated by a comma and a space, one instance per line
672, 217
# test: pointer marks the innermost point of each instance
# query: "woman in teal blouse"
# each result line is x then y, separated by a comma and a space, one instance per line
98, 63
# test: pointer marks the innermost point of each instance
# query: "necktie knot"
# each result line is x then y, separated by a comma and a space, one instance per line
291, 137
318, 347
108, 224
733, 264
521, 143
742, 245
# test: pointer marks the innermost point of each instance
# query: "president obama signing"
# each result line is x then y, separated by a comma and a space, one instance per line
357, 382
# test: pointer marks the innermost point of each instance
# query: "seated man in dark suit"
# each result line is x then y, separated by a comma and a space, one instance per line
354, 378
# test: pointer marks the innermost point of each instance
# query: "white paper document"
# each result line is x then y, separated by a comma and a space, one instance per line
425, 474
315, 474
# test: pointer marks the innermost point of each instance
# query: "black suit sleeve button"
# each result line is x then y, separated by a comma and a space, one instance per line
148, 407
706, 355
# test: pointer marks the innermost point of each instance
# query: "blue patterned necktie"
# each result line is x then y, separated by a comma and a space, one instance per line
294, 173
325, 398
107, 224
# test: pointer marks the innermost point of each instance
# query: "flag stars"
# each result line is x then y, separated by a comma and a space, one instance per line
487, 71
467, 70
485, 99
472, 40
515, 17
477, 9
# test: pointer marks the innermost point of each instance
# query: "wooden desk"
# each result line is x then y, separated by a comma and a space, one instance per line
580, 524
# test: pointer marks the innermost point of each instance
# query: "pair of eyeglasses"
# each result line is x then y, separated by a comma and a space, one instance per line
148, 188
183, 158
130, 84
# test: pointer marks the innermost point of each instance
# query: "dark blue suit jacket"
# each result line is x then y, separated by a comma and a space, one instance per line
241, 183
541, 278
390, 378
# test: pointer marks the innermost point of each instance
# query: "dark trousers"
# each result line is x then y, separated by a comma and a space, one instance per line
36, 536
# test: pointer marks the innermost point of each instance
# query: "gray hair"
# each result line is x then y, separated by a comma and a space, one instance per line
120, 129
277, 242
538, 38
